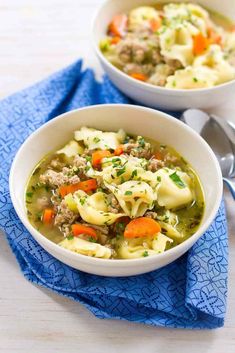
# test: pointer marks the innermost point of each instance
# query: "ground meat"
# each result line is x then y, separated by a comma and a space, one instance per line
55, 179
79, 161
102, 229
113, 206
145, 69
132, 50
173, 64
57, 164
169, 158
64, 215
151, 214
160, 75
137, 149
42, 203
155, 164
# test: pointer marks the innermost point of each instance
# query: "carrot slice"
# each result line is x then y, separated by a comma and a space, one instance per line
141, 227
87, 185
139, 76
200, 44
214, 37
79, 229
97, 157
155, 24
115, 40
158, 155
48, 216
118, 25
119, 150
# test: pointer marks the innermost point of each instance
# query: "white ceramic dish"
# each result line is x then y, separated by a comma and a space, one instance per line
136, 120
153, 96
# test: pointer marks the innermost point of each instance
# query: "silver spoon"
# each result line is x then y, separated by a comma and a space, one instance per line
220, 136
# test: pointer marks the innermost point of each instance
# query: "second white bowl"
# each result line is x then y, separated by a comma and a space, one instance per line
147, 94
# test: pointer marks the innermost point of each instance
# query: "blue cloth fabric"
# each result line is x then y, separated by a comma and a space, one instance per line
189, 293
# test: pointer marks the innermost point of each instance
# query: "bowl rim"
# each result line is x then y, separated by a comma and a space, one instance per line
111, 262
145, 85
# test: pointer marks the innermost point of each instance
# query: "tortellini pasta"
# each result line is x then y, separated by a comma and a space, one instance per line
71, 149
96, 139
170, 195
122, 168
94, 209
192, 77
134, 197
177, 43
136, 248
141, 16
87, 248
191, 13
214, 60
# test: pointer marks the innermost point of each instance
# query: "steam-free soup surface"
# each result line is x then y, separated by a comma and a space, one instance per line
112, 195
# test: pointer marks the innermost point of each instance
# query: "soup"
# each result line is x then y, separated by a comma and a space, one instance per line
112, 195
172, 45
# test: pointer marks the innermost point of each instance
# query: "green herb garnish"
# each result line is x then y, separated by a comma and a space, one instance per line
176, 179
96, 139
134, 173
145, 253
159, 179
128, 192
29, 194
70, 237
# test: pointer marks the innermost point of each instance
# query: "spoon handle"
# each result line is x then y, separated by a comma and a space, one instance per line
231, 185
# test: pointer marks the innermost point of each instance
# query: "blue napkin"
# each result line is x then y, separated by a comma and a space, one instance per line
189, 293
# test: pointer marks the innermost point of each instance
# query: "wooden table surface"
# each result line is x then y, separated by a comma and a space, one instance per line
37, 38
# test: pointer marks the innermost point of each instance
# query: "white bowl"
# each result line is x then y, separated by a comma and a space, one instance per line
153, 96
136, 120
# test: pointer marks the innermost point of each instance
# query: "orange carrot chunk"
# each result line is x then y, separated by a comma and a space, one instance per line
155, 24
214, 37
141, 227
158, 155
115, 40
97, 157
79, 229
200, 44
87, 185
118, 25
139, 76
48, 216
119, 150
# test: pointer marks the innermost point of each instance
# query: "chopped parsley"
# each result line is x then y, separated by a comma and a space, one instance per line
92, 240
96, 139
121, 171
29, 194
82, 201
128, 192
141, 141
70, 237
176, 179
195, 79
159, 178
145, 253
134, 173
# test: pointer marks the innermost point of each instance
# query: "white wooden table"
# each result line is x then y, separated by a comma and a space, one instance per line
37, 38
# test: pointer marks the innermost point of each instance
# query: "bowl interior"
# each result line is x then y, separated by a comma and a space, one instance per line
112, 7
133, 119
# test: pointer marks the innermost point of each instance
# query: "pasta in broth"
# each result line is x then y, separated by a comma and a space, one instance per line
173, 45
111, 195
